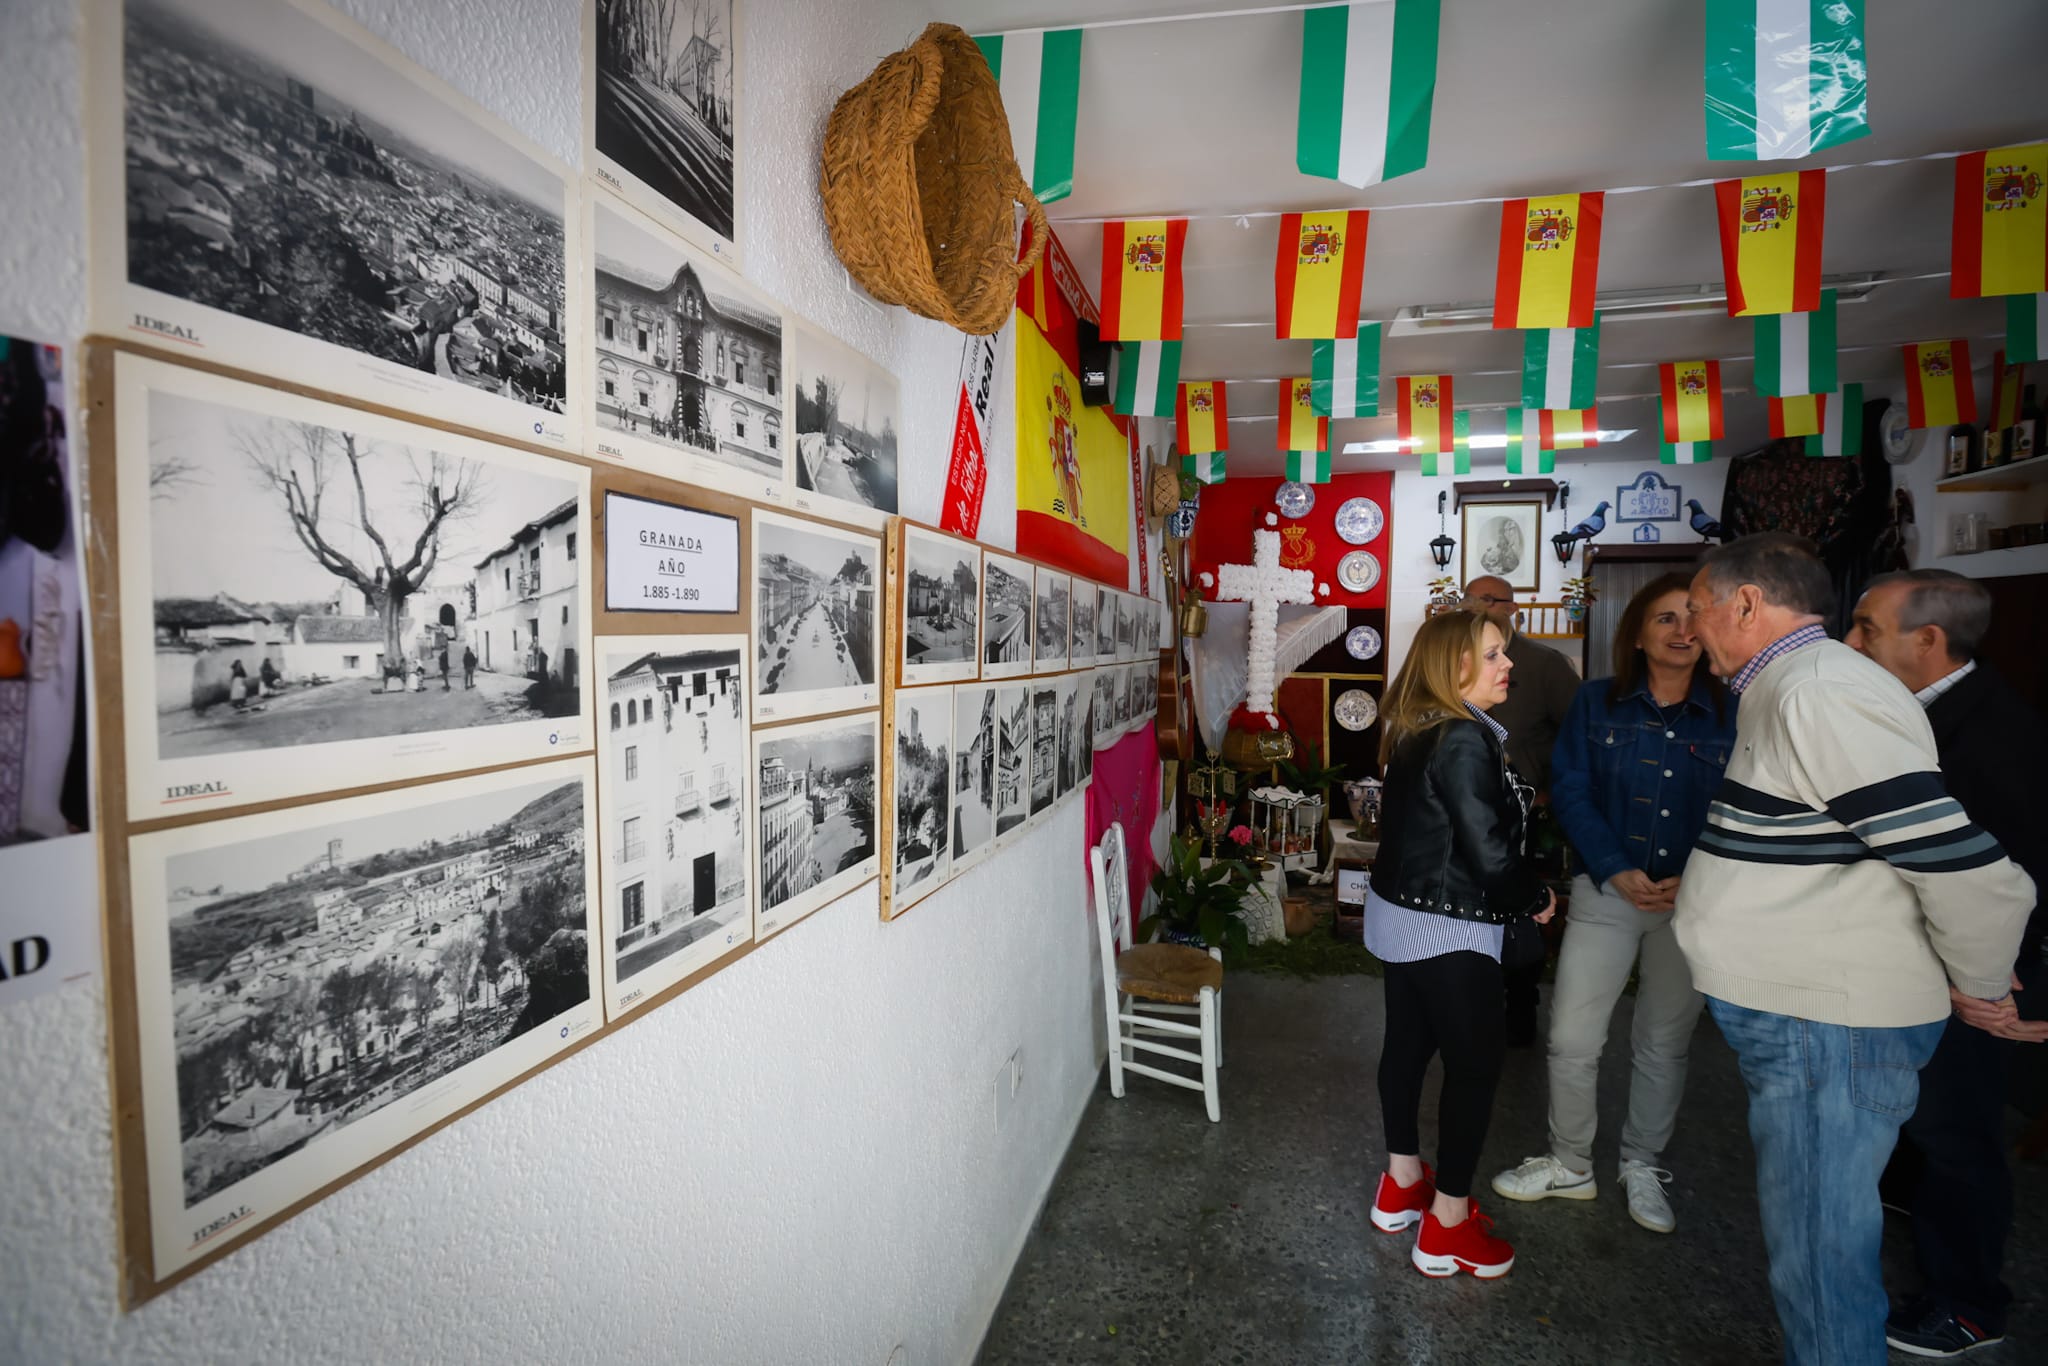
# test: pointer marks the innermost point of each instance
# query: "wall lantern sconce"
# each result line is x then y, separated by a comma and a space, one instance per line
1564, 543
1440, 549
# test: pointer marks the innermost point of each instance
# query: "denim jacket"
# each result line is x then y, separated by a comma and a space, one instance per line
1630, 791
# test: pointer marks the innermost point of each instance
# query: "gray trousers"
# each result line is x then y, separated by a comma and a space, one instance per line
1604, 937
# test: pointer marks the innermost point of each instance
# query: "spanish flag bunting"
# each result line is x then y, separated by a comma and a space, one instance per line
1549, 261
1299, 427
1841, 423
1691, 392
2026, 326
1684, 452
1770, 241
2006, 382
2000, 242
1795, 352
1207, 466
1200, 421
1147, 379
1346, 374
1560, 366
1461, 440
1309, 467
1800, 415
1424, 407
1141, 279
1318, 270
1939, 390
1524, 437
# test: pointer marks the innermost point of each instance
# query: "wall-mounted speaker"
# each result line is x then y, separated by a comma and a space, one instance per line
1094, 356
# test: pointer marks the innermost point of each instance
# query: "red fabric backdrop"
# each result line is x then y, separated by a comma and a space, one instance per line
1232, 510
1126, 788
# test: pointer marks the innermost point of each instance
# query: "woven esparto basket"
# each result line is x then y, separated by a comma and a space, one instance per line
920, 182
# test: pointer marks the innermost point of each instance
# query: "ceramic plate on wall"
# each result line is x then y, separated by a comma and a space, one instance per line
1355, 709
1358, 571
1362, 642
1294, 498
1360, 521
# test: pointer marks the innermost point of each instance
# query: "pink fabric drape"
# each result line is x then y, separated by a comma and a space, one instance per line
1126, 788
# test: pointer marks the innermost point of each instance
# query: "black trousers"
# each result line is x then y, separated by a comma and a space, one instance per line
1448, 1005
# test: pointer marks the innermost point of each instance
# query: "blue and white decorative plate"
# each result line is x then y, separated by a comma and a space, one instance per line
1294, 498
1355, 709
1360, 521
1362, 642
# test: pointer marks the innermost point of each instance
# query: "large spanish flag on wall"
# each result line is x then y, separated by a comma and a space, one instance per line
1073, 460
1318, 269
1201, 421
1299, 427
1770, 241
1549, 261
1141, 279
2000, 243
1691, 392
1423, 403
1939, 390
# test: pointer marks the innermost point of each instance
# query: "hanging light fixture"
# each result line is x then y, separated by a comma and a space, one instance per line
1564, 543
1440, 549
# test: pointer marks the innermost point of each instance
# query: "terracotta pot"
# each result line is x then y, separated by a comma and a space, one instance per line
1299, 914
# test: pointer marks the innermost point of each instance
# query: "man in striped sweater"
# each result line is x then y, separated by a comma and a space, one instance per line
1834, 898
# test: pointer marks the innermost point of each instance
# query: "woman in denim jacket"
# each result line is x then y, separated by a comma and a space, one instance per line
1637, 762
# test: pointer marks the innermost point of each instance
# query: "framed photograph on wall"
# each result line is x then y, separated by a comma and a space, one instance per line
1052, 613
844, 406
1105, 624
1505, 540
1081, 608
1105, 680
939, 589
1013, 757
815, 787
1073, 734
313, 597
677, 851
1045, 745
920, 831
1007, 587
817, 618
974, 774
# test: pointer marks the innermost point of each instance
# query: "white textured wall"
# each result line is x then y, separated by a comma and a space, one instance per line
796, 1161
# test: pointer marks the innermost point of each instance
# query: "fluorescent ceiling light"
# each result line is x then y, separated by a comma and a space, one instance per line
1484, 441
1619, 305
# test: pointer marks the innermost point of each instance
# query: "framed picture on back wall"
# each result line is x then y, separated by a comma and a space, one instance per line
1505, 540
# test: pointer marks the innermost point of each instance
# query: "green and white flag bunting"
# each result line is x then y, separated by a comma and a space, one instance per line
1784, 78
1207, 467
1461, 440
1368, 83
2026, 324
1841, 424
1560, 366
1344, 376
1684, 452
1039, 72
1309, 467
1795, 352
1147, 379
1521, 442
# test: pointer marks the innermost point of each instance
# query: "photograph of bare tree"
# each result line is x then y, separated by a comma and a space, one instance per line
845, 423
664, 89
921, 858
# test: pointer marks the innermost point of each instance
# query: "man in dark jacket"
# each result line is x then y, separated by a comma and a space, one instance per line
1924, 627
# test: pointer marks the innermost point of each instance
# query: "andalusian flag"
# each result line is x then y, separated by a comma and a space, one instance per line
1346, 374
1200, 421
1423, 403
1039, 72
1784, 78
1309, 467
1548, 430
1684, 452
1691, 391
1800, 415
2000, 243
1207, 467
1524, 436
2026, 325
1795, 352
1939, 390
1368, 79
2006, 383
1770, 241
1141, 279
1841, 423
1318, 269
1147, 378
1299, 427
1560, 366
1461, 441
1549, 261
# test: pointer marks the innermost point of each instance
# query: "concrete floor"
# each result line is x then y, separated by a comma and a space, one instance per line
1167, 1239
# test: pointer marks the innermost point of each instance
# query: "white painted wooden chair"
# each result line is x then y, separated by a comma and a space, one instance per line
1160, 990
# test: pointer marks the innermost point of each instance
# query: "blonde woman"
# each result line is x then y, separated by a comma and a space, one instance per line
1448, 882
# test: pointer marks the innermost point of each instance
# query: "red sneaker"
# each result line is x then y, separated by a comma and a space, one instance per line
1469, 1246
1395, 1208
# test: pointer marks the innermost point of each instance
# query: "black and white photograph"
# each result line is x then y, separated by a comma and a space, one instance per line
941, 585
663, 89
1126, 627
1106, 730
1120, 687
318, 984
817, 618
1006, 594
686, 360
1503, 539
1052, 612
921, 821
814, 790
1084, 687
845, 428
974, 774
303, 200
1072, 740
314, 597
1082, 607
1013, 757
672, 784
1045, 744
1105, 624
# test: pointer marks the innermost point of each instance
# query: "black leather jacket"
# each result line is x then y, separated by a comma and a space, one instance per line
1451, 828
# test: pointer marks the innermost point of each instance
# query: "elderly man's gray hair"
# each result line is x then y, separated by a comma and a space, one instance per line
1959, 605
1785, 568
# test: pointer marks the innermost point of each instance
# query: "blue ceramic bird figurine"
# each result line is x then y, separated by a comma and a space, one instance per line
1592, 526
1707, 527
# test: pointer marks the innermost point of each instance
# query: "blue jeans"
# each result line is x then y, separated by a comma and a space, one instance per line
1825, 1105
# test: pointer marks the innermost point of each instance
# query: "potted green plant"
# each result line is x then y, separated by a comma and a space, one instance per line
1577, 595
1199, 905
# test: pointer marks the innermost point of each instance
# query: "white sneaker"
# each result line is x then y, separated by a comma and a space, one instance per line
1540, 1178
1646, 1202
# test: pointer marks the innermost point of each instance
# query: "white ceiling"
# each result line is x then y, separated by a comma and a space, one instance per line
1532, 97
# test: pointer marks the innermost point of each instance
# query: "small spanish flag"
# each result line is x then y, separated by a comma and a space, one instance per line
1200, 421
1423, 403
2006, 381
1300, 428
1770, 241
2000, 242
1549, 261
1318, 270
1691, 392
1308, 467
1799, 415
1939, 391
1141, 279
